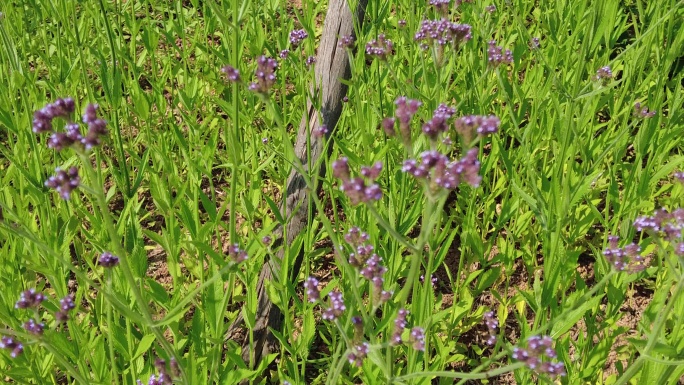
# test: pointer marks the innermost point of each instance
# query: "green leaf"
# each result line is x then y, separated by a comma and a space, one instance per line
144, 345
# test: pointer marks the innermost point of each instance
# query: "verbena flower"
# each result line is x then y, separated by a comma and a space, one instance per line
66, 304
64, 182
402, 23
29, 299
626, 258
346, 41
662, 222
96, 127
380, 48
468, 126
265, 75
404, 112
320, 131
358, 354
60, 108
399, 326
490, 8
604, 73
237, 254
336, 308
442, 32
534, 43
497, 56
642, 111
417, 338
284, 53
436, 167
356, 189
438, 124
297, 36
310, 61
9, 343
492, 324
34, 327
267, 240
539, 356
108, 260
679, 176
232, 74
312, 292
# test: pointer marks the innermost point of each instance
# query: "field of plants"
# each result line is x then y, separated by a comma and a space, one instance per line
341, 192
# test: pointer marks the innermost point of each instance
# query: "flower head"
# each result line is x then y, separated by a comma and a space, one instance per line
108, 260
237, 254
642, 111
603, 74
626, 258
497, 56
34, 327
358, 354
380, 47
492, 325
442, 32
232, 73
539, 356
66, 304
265, 75
312, 292
438, 124
336, 308
60, 108
64, 182
9, 343
297, 36
346, 41
29, 299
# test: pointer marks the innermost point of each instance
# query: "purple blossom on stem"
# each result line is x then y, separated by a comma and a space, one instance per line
265, 75
468, 126
66, 304
29, 299
237, 254
356, 189
310, 61
437, 168
33, 327
9, 343
108, 260
490, 8
388, 126
232, 74
96, 127
679, 176
380, 47
438, 124
497, 56
441, 6
401, 23
297, 36
626, 258
64, 182
492, 325
442, 32
539, 355
399, 326
642, 111
358, 354
670, 224
284, 53
336, 308
312, 292
534, 43
417, 338
404, 112
346, 41
604, 74
266, 240
60, 108
320, 131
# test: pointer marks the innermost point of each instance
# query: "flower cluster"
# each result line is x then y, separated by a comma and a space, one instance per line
441, 6
64, 108
369, 263
336, 308
96, 127
492, 325
358, 354
679, 176
404, 111
380, 47
469, 125
108, 260
310, 61
265, 75
346, 41
497, 56
64, 182
436, 167
442, 32
29, 299
399, 326
490, 8
237, 254
438, 124
642, 111
603, 73
284, 53
534, 43
297, 36
232, 74
665, 223
356, 188
164, 377
626, 258
66, 304
417, 338
61, 108
33, 327
9, 343
312, 292
539, 355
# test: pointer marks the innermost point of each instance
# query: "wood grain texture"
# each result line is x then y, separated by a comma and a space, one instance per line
332, 66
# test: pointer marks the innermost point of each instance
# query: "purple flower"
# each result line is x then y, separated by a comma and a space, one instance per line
679, 176
404, 111
417, 338
626, 258
468, 125
108, 260
388, 126
320, 131
310, 61
237, 254
265, 75
64, 182
297, 36
340, 168
437, 168
284, 53
312, 292
442, 32
604, 73
497, 56
34, 327
492, 325
642, 111
490, 8
538, 356
534, 43
401, 23
358, 354
438, 124
61, 108
356, 189
96, 127
380, 47
9, 343
266, 240
441, 6
29, 299
399, 326
670, 224
66, 304
336, 308
346, 41
232, 74
264, 140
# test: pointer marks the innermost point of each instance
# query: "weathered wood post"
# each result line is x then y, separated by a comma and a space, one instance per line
332, 66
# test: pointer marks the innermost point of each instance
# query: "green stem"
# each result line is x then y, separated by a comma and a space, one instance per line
110, 337
465, 376
77, 376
